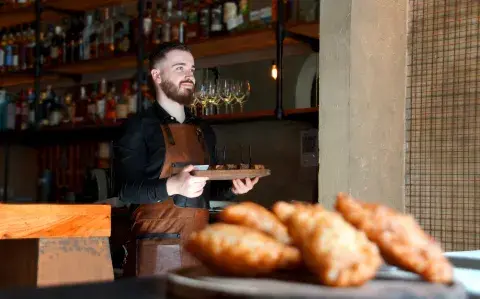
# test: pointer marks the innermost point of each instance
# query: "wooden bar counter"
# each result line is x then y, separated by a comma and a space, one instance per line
53, 244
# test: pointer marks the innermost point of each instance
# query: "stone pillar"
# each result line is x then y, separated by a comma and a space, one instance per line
363, 47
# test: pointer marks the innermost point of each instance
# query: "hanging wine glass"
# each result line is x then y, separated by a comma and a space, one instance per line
212, 96
196, 99
225, 93
241, 92
201, 95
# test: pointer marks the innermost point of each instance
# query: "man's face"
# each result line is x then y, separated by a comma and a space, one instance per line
175, 76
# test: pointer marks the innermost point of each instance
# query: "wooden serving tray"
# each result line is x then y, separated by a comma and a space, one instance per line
224, 175
199, 282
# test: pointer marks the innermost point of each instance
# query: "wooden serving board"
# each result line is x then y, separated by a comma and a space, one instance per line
224, 175
199, 282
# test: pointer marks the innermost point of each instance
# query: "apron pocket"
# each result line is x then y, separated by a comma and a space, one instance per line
158, 253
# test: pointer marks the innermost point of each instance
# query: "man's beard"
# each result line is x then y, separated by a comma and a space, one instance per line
173, 92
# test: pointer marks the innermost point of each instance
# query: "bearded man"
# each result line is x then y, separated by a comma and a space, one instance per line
153, 161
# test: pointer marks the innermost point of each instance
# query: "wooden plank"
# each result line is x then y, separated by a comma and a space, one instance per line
86, 5
307, 29
19, 221
19, 14
51, 262
22, 78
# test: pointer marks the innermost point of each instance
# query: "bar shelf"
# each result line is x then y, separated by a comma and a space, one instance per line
111, 129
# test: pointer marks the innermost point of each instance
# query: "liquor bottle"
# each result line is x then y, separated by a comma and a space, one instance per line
95, 36
22, 43
19, 114
167, 23
122, 104
204, 21
56, 54
31, 107
70, 42
81, 106
92, 105
147, 26
157, 30
132, 99
101, 100
178, 24
108, 33
13, 42
217, 27
3, 109
148, 99
192, 28
244, 7
11, 113
3, 44
47, 104
122, 37
110, 104
79, 42
47, 45
231, 17
86, 35
56, 112
70, 109
31, 48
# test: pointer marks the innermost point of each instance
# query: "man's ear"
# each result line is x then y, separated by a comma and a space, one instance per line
156, 77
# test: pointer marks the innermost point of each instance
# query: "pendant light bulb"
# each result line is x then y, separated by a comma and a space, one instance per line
274, 71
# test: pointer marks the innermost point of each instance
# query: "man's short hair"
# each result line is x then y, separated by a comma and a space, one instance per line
161, 51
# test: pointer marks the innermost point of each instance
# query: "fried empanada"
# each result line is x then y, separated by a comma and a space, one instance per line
332, 249
400, 239
237, 250
255, 216
283, 210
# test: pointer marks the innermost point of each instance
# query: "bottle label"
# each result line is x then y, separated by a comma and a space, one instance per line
2, 57
101, 108
122, 110
54, 52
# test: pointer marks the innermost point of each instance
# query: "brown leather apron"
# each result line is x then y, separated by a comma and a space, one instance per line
160, 229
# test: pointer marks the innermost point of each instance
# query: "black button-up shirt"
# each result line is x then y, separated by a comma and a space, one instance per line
139, 156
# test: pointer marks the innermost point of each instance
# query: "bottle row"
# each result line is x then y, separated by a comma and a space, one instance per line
114, 30
15, 3
103, 103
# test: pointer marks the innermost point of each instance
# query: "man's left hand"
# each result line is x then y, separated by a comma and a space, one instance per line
243, 186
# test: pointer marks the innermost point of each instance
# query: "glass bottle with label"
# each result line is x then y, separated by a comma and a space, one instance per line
122, 104
122, 37
111, 104
167, 23
178, 24
56, 54
216, 19
92, 105
101, 100
3, 44
81, 106
132, 98
192, 27
231, 17
204, 21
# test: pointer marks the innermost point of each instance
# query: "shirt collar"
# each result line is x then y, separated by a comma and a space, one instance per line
165, 117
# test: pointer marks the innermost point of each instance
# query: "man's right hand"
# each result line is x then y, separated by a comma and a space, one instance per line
185, 184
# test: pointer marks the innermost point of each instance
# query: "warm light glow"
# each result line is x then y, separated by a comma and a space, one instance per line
274, 71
